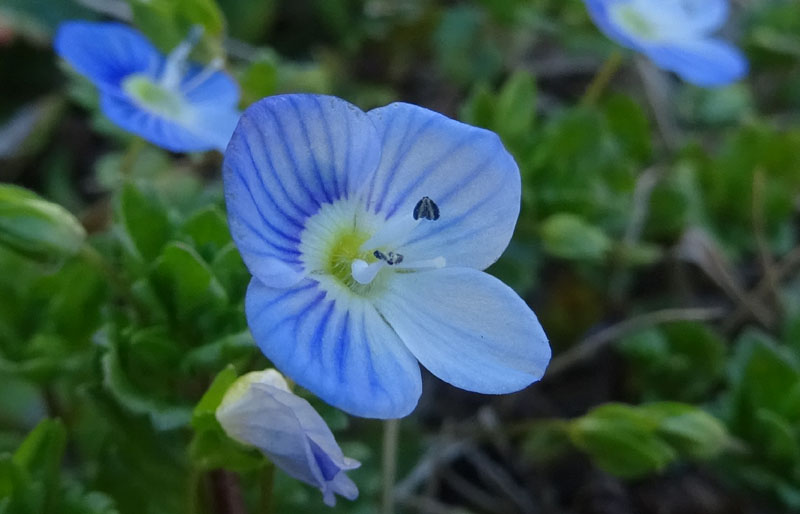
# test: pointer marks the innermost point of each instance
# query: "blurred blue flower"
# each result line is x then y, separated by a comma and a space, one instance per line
259, 410
366, 234
175, 104
675, 34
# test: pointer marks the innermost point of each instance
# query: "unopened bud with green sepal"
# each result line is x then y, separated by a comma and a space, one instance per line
37, 229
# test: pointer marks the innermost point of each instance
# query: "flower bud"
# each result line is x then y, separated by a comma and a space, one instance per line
259, 410
38, 229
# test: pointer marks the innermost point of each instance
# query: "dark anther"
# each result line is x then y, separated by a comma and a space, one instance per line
390, 258
394, 258
426, 208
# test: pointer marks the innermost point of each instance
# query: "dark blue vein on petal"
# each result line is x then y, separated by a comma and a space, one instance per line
486, 202
384, 137
304, 129
371, 374
347, 149
291, 157
341, 344
402, 196
256, 203
291, 252
408, 142
313, 344
331, 151
258, 172
286, 294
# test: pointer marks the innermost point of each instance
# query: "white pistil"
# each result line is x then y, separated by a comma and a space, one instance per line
364, 273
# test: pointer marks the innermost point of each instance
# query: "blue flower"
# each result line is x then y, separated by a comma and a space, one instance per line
170, 102
675, 34
365, 234
259, 410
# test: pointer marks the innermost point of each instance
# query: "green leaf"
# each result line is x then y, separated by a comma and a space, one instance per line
546, 440
41, 452
207, 228
463, 49
186, 280
168, 22
681, 361
778, 437
230, 270
37, 229
39, 459
10, 475
622, 441
260, 78
145, 222
691, 431
206, 408
202, 12
211, 448
163, 416
515, 111
479, 108
763, 374
227, 349
628, 122
571, 237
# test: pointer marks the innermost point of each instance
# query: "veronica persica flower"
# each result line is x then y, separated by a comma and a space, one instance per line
365, 234
175, 104
259, 410
677, 35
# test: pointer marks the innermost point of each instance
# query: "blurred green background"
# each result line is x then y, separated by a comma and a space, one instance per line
658, 243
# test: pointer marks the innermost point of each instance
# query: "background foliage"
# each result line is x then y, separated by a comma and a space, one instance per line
658, 243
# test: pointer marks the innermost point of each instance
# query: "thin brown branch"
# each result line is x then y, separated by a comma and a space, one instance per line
595, 342
226, 492
782, 270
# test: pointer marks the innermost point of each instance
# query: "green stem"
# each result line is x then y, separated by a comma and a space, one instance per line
197, 495
266, 502
391, 433
602, 78
131, 156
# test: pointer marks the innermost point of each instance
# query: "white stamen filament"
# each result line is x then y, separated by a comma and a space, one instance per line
364, 273
438, 262
175, 65
214, 66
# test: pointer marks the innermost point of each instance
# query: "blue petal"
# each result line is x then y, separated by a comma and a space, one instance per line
598, 10
214, 101
465, 170
106, 52
338, 348
335, 481
292, 434
707, 62
289, 155
168, 134
219, 88
699, 16
467, 328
